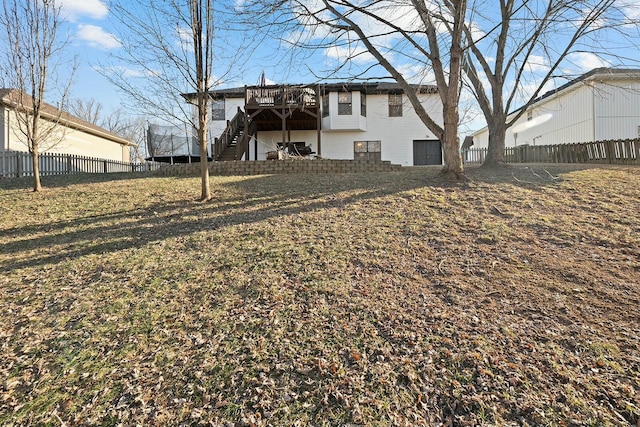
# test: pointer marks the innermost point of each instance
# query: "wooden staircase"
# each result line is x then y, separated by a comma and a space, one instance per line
233, 143
229, 153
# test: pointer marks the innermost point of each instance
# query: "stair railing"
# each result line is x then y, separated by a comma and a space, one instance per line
226, 138
242, 148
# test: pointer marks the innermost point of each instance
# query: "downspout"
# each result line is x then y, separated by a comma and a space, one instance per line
5, 141
319, 120
593, 115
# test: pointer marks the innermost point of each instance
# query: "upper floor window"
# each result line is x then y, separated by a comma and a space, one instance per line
363, 104
344, 104
217, 109
325, 105
395, 105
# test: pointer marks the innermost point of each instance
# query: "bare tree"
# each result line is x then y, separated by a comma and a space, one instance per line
32, 45
169, 52
394, 34
88, 110
128, 126
525, 45
131, 128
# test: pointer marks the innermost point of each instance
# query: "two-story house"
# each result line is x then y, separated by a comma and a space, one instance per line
335, 121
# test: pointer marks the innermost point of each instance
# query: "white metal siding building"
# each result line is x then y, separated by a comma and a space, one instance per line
73, 135
603, 104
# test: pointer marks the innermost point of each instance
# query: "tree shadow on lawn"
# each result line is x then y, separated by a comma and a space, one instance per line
263, 197
66, 180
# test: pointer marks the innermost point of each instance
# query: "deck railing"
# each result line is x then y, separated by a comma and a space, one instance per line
15, 164
226, 138
272, 96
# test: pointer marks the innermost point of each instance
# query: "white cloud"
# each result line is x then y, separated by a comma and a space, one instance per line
586, 61
354, 54
537, 64
122, 71
185, 39
632, 9
95, 9
417, 74
97, 37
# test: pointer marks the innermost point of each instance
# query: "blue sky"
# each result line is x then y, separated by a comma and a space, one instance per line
90, 41
96, 41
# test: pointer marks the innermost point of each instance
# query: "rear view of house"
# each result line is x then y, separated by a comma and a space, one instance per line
369, 121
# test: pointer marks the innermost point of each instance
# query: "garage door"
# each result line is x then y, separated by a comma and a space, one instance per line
427, 152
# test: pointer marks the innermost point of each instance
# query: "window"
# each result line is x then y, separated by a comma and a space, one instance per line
367, 150
395, 105
529, 115
344, 104
325, 105
217, 109
363, 104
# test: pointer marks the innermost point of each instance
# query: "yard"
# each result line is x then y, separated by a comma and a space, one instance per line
372, 299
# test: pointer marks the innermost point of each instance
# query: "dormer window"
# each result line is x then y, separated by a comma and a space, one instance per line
344, 104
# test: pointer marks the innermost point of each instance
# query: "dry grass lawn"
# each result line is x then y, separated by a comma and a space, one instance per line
390, 299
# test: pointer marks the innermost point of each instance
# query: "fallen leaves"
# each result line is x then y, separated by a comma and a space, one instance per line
373, 299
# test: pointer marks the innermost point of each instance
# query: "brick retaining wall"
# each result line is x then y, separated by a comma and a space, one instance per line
269, 167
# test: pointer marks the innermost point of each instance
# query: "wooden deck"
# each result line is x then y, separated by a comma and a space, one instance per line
291, 107
270, 108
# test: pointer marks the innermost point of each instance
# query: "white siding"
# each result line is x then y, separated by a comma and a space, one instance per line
268, 141
592, 110
69, 141
395, 133
617, 110
3, 129
571, 120
216, 127
351, 122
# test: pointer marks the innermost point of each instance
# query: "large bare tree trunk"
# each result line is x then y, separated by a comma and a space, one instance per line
453, 168
495, 152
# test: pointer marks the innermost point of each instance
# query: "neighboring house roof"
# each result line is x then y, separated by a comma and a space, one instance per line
11, 99
365, 87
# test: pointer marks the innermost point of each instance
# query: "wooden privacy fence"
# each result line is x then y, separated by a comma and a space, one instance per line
15, 164
614, 152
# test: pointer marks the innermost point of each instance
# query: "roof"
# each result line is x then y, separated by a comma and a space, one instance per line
10, 98
365, 87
